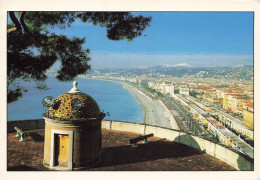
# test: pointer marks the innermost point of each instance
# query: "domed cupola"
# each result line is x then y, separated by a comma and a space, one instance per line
72, 131
74, 105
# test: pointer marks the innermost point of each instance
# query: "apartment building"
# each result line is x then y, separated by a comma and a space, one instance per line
164, 87
234, 102
248, 115
184, 90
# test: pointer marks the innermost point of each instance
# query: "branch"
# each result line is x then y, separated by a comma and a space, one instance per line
21, 18
20, 24
15, 21
28, 32
11, 29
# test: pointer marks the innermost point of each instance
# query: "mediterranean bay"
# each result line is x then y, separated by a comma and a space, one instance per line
111, 97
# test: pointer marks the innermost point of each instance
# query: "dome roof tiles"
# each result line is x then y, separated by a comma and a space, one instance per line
62, 108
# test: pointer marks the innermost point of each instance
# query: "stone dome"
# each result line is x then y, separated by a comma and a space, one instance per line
86, 107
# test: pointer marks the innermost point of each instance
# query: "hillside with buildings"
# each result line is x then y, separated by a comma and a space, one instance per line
231, 73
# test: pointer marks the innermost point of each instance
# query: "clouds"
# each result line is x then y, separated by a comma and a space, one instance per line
122, 60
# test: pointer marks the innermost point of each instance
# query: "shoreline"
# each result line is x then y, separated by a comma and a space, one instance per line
126, 86
155, 112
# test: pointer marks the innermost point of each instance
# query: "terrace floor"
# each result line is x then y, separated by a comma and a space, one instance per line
117, 154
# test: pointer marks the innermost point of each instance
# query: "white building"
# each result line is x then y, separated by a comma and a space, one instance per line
184, 90
166, 88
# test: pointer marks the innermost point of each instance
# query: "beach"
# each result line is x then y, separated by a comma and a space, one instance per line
156, 113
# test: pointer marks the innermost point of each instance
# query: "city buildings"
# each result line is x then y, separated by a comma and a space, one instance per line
184, 90
162, 87
248, 115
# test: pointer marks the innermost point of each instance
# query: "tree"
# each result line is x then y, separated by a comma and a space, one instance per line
32, 49
193, 93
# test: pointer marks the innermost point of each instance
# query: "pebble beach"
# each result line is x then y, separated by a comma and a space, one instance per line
156, 113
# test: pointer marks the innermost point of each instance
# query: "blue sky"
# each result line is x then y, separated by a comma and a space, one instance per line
194, 38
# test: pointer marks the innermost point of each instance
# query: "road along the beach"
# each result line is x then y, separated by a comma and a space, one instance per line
156, 112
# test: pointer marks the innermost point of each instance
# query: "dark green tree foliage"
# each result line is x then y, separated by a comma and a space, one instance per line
32, 49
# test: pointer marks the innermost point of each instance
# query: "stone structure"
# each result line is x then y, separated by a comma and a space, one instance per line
72, 132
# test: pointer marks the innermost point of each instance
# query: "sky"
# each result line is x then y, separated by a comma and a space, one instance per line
192, 38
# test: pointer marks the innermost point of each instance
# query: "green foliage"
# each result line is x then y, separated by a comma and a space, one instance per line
32, 49
193, 93
120, 25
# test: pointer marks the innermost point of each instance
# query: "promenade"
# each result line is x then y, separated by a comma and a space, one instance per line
156, 113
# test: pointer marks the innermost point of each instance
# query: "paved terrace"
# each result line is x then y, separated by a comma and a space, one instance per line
118, 155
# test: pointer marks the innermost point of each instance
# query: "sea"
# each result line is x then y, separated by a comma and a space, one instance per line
112, 97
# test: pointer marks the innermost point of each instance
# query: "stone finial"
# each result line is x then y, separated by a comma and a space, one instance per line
75, 88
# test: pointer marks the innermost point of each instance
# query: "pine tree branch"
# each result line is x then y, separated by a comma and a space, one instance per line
28, 32
11, 29
15, 21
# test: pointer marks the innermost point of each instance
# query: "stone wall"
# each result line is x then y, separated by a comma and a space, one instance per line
230, 156
26, 124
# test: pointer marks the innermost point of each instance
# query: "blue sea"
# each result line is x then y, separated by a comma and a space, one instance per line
110, 96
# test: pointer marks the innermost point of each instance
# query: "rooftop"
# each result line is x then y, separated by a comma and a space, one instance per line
251, 105
117, 154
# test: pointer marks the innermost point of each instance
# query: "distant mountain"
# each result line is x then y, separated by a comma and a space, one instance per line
244, 72
248, 66
166, 66
219, 67
243, 66
181, 66
187, 66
